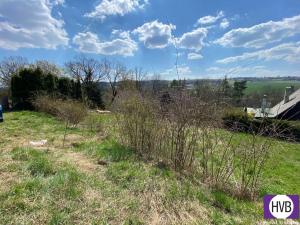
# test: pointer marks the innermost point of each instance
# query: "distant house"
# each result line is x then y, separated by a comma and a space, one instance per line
287, 109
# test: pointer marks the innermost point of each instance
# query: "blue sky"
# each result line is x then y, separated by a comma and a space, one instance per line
213, 38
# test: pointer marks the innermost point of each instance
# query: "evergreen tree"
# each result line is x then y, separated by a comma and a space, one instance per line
225, 88
238, 90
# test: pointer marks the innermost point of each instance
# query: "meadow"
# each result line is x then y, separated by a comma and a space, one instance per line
267, 85
95, 180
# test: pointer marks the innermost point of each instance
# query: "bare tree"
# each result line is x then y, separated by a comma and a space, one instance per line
48, 67
9, 66
85, 69
113, 73
139, 75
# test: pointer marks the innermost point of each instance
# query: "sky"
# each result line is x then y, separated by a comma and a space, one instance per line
197, 38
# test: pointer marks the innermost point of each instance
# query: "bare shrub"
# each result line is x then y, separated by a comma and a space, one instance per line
253, 151
180, 119
218, 154
70, 111
93, 123
168, 131
253, 154
46, 104
184, 132
137, 122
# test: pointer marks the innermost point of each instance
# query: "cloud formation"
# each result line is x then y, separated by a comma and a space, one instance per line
224, 23
116, 7
289, 52
29, 24
206, 20
155, 34
89, 42
194, 56
192, 40
260, 35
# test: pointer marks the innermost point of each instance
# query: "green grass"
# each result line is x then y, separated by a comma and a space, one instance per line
38, 163
262, 86
108, 150
44, 186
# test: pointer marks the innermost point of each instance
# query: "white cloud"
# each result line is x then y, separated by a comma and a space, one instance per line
89, 42
224, 23
210, 19
247, 71
29, 24
121, 34
116, 7
155, 34
289, 52
55, 2
192, 40
194, 56
262, 34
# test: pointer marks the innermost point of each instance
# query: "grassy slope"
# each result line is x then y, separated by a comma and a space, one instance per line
55, 185
261, 86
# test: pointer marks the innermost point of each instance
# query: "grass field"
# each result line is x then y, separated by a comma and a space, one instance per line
94, 180
262, 86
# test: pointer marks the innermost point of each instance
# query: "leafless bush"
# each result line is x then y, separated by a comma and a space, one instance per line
252, 152
185, 133
169, 131
70, 111
137, 122
217, 157
46, 104
252, 156
183, 117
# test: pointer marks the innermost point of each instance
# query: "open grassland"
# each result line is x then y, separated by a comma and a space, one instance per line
95, 180
264, 86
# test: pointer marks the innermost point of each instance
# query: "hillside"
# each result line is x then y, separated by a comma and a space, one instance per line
94, 180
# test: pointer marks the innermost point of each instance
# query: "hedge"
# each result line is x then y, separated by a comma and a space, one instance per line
282, 129
29, 82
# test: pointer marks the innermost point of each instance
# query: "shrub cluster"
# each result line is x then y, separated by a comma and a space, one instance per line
184, 133
71, 112
31, 81
68, 110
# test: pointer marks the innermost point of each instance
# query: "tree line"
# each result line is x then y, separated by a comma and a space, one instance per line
79, 79
83, 79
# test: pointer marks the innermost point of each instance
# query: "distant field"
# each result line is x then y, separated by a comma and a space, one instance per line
261, 86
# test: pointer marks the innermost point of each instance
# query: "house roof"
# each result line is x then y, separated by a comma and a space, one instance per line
281, 107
